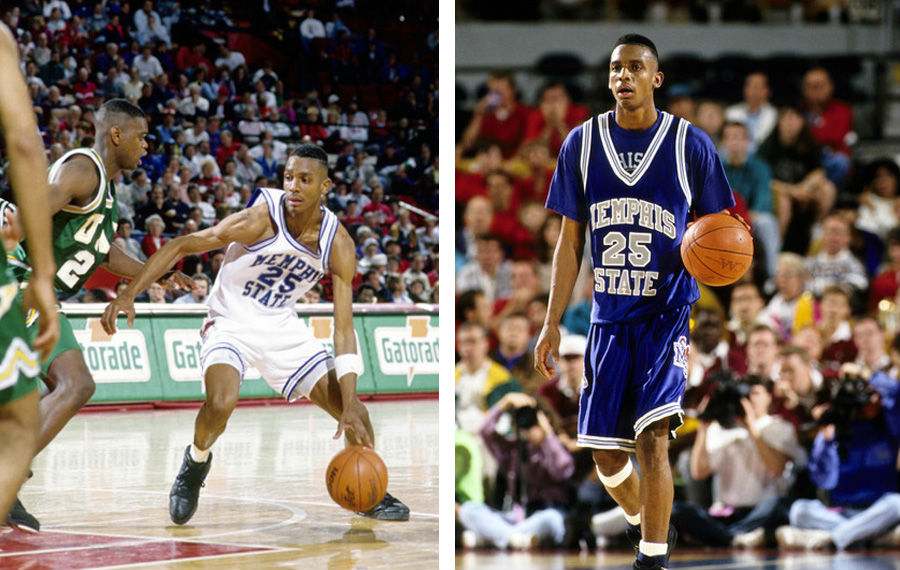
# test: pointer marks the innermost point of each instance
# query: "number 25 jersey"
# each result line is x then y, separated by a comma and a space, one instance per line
636, 192
265, 279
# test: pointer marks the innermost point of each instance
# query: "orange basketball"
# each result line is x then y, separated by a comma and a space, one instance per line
717, 250
356, 478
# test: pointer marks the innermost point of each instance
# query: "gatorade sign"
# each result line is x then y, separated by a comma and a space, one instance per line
408, 350
121, 357
183, 356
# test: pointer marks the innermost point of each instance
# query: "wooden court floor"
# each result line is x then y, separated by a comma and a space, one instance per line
682, 559
101, 490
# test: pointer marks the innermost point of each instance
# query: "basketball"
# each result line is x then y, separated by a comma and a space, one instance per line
717, 250
356, 478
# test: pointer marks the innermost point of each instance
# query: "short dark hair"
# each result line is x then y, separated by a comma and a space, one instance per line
310, 151
118, 108
637, 39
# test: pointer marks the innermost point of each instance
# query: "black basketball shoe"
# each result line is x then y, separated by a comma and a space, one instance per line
389, 509
21, 519
633, 533
186, 489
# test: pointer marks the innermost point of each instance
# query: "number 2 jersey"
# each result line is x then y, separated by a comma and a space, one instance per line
636, 191
266, 279
82, 235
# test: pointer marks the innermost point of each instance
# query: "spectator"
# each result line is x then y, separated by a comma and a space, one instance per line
480, 381
800, 391
489, 271
514, 350
762, 350
835, 264
228, 58
750, 177
831, 123
563, 392
711, 118
868, 336
267, 161
147, 65
142, 18
879, 210
886, 283
124, 240
542, 469
802, 192
175, 210
198, 294
154, 206
746, 310
853, 459
498, 116
791, 275
835, 328
749, 453
554, 117
755, 111
154, 238
156, 294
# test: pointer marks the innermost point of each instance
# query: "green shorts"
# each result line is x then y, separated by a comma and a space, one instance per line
66, 341
19, 366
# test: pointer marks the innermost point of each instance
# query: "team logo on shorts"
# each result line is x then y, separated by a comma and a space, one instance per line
681, 351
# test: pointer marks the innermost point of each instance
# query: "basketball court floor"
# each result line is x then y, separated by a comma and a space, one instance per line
683, 559
101, 490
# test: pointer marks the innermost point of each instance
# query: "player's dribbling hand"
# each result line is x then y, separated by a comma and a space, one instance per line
547, 346
354, 419
40, 296
120, 304
177, 280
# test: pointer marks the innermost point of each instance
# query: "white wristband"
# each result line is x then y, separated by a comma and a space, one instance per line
347, 364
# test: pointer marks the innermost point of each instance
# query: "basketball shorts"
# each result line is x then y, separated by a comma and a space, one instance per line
285, 353
67, 340
19, 366
634, 375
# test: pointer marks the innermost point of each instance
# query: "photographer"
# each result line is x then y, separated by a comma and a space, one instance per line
854, 458
536, 467
750, 452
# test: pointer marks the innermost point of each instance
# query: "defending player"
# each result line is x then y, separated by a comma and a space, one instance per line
19, 416
634, 176
82, 201
281, 245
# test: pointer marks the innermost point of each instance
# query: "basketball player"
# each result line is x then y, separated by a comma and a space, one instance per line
19, 368
635, 176
82, 202
279, 247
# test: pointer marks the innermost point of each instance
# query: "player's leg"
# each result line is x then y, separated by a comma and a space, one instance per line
656, 488
223, 385
620, 479
326, 393
70, 386
19, 421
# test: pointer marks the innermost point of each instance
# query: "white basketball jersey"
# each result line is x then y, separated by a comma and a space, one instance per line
266, 279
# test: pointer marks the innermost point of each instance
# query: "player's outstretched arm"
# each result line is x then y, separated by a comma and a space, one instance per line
26, 167
247, 226
121, 263
354, 416
566, 263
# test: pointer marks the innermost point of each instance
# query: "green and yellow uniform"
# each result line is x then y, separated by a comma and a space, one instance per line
82, 236
19, 366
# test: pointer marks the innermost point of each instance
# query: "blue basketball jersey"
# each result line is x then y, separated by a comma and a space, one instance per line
636, 191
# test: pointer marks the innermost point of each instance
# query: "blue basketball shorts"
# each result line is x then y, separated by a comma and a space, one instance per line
634, 374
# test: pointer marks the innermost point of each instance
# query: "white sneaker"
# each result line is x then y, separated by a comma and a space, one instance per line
525, 541
889, 539
752, 539
810, 539
470, 540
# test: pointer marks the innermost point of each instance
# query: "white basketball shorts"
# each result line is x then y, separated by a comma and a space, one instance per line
285, 352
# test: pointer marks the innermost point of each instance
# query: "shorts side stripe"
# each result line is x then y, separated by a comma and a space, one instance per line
656, 414
301, 372
19, 358
224, 346
597, 442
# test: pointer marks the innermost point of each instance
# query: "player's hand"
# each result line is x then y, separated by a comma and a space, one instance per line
121, 304
11, 232
177, 280
40, 296
737, 217
547, 347
354, 419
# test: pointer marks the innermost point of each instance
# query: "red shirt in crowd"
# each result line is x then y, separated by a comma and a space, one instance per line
575, 115
831, 127
508, 131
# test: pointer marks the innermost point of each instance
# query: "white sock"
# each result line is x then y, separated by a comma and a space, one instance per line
653, 548
633, 520
199, 455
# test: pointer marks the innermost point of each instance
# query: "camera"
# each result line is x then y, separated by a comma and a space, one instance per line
848, 398
724, 404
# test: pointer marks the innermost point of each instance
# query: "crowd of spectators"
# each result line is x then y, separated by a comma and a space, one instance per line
221, 120
792, 420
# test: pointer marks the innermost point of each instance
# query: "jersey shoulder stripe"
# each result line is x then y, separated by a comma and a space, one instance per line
272, 203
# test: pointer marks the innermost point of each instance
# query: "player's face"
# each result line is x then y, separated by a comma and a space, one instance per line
306, 182
633, 75
132, 145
